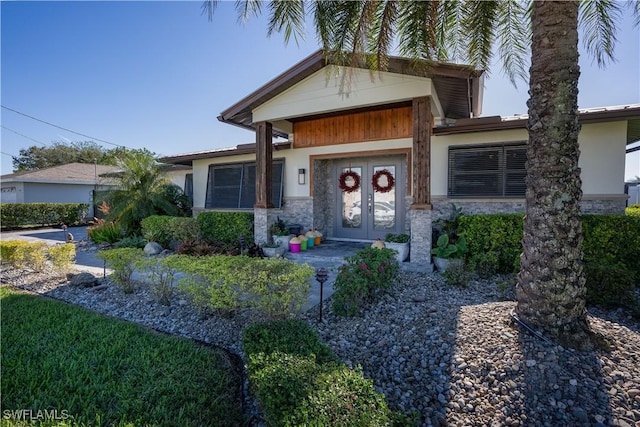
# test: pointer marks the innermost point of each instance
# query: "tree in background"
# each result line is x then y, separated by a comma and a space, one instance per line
551, 285
61, 153
143, 191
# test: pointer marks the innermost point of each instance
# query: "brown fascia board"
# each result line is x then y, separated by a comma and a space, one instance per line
496, 123
317, 61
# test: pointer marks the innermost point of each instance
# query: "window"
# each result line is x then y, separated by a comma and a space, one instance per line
233, 186
487, 171
188, 186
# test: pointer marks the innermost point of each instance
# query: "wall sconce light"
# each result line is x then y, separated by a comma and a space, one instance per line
301, 176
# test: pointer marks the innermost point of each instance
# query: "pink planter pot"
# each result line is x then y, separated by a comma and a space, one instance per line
294, 247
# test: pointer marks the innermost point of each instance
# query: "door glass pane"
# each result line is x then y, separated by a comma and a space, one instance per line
384, 203
352, 202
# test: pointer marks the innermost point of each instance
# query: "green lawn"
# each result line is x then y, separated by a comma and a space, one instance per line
63, 361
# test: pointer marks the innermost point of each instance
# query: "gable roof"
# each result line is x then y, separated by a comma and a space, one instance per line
459, 87
71, 173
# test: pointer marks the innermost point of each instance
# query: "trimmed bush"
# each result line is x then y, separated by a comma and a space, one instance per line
292, 336
221, 284
226, 227
62, 257
123, 261
362, 277
633, 210
22, 254
611, 247
298, 381
170, 231
494, 241
16, 215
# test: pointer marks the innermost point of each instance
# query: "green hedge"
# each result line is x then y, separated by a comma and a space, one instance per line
170, 231
16, 215
611, 251
226, 227
298, 382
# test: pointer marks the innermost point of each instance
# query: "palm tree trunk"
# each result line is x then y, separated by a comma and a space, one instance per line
551, 285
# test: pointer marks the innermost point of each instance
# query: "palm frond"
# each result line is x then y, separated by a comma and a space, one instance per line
449, 33
514, 35
383, 31
416, 29
597, 20
287, 16
208, 7
479, 23
247, 8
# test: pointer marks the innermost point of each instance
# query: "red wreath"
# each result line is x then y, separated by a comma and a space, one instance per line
342, 181
376, 179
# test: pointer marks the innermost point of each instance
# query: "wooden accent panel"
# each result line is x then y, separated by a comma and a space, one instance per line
422, 125
264, 165
362, 126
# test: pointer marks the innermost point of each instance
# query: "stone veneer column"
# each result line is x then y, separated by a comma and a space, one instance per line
260, 225
421, 239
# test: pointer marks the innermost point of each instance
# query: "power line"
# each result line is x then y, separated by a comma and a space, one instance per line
6, 154
60, 127
24, 136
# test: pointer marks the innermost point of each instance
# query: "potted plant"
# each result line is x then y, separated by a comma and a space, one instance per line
399, 243
273, 248
280, 232
446, 250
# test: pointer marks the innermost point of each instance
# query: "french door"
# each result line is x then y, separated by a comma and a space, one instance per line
374, 206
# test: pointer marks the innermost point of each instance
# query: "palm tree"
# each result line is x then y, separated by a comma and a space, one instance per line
551, 284
142, 191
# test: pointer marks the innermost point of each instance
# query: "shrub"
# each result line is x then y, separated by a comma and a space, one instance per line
123, 262
291, 336
105, 232
62, 257
498, 234
226, 227
24, 254
170, 231
298, 381
222, 284
633, 210
131, 242
15, 215
364, 274
204, 248
612, 239
610, 285
161, 276
278, 287
456, 273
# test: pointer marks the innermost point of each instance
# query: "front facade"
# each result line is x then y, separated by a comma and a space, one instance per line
366, 155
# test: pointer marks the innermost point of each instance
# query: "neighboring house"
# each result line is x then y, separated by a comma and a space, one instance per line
419, 127
70, 183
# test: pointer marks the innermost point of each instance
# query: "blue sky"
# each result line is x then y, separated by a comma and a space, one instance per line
157, 74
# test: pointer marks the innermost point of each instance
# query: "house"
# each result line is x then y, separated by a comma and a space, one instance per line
369, 153
70, 183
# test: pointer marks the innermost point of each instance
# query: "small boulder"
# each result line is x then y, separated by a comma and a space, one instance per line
86, 280
152, 248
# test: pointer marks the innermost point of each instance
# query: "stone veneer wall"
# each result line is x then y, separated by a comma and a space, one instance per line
442, 206
297, 210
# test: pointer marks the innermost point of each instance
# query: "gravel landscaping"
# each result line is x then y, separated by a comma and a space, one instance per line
449, 356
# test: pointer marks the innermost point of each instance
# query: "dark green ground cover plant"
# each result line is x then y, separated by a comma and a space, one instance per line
299, 382
107, 372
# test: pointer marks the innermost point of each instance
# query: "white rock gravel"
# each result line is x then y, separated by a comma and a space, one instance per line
449, 356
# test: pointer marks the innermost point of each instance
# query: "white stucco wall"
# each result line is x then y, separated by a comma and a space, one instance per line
177, 177
320, 93
602, 159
